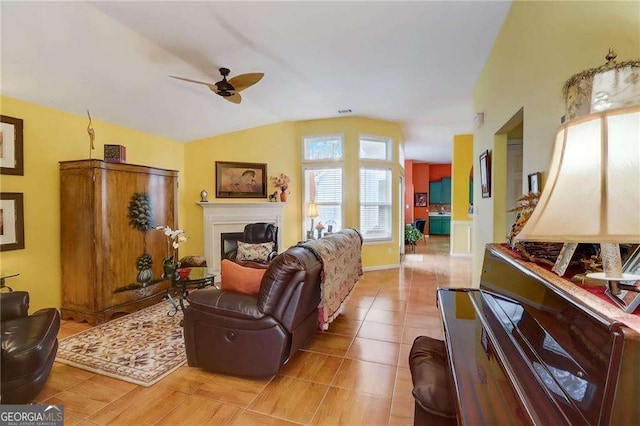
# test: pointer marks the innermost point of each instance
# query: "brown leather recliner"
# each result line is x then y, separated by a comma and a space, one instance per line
29, 347
242, 335
257, 233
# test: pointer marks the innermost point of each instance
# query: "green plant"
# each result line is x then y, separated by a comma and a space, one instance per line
140, 216
411, 234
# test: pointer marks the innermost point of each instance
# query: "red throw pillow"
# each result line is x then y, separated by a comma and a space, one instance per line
240, 279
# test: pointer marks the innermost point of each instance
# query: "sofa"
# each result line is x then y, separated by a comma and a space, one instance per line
29, 347
253, 336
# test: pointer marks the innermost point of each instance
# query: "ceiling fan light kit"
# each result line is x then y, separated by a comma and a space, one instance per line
229, 90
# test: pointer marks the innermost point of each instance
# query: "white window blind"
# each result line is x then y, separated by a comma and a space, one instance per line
324, 187
375, 203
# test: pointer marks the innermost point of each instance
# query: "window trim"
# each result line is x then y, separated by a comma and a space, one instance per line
389, 147
339, 136
373, 166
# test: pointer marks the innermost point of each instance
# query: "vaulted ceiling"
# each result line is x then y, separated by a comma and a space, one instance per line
410, 62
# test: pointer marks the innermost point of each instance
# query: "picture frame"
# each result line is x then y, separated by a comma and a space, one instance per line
11, 221
485, 174
241, 180
535, 180
420, 199
11, 146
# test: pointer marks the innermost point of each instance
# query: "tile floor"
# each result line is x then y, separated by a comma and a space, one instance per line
356, 373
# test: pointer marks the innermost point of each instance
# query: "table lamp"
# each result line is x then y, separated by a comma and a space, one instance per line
312, 212
592, 194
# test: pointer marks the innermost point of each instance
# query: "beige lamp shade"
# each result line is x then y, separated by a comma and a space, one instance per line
592, 194
312, 210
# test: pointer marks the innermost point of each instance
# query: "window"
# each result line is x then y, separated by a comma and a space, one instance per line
324, 187
322, 169
375, 148
323, 148
375, 204
401, 156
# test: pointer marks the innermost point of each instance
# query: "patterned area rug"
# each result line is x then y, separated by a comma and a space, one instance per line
141, 348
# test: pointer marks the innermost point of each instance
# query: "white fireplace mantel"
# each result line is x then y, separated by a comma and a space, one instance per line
219, 218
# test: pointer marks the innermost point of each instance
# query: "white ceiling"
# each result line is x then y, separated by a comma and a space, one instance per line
410, 62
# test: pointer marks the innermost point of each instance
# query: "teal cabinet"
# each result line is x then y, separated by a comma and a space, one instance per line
439, 225
440, 191
435, 192
445, 196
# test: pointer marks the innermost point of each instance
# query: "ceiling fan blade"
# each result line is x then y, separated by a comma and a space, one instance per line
209, 85
242, 81
235, 98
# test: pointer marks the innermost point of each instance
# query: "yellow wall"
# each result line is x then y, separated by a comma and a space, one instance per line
461, 222
541, 45
280, 147
51, 136
460, 169
274, 144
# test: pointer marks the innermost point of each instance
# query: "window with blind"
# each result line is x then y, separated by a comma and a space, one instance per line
322, 168
375, 148
375, 204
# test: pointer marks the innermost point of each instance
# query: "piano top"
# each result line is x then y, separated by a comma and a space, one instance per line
572, 291
523, 351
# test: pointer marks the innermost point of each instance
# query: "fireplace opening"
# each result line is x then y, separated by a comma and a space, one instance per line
229, 243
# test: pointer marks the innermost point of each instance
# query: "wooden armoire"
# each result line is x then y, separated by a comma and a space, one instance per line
100, 250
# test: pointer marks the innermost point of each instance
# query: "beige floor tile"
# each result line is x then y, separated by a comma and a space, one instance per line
385, 317
366, 377
140, 406
195, 410
388, 304
249, 418
315, 367
424, 321
187, 379
377, 331
291, 399
354, 313
345, 326
374, 351
64, 376
237, 391
410, 333
403, 358
329, 344
346, 407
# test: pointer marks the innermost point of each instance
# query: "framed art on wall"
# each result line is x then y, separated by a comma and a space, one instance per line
420, 199
241, 180
534, 180
485, 174
11, 221
11, 159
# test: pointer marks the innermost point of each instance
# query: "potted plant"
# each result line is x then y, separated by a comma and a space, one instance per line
411, 234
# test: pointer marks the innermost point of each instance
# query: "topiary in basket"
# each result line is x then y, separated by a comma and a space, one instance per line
411, 234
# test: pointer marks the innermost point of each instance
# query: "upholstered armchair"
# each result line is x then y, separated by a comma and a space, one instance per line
29, 347
246, 335
257, 247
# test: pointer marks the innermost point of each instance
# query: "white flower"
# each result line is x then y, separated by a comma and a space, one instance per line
174, 238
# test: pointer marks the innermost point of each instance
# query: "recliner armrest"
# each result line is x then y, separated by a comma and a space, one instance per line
225, 303
14, 304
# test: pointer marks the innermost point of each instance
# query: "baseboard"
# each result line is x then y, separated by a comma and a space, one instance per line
380, 267
461, 254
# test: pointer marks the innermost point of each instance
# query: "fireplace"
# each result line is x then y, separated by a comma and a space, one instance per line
229, 243
230, 218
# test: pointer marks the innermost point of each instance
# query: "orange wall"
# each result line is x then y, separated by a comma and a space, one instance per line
408, 191
420, 184
439, 171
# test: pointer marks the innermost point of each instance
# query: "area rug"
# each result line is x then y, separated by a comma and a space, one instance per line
141, 348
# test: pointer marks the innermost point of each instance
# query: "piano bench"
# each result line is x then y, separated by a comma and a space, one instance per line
432, 383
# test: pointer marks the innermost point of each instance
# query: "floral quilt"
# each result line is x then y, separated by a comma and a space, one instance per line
341, 258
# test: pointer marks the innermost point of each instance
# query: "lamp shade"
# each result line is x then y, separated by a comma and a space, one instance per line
312, 210
592, 194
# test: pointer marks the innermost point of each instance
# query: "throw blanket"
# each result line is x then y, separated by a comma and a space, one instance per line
340, 255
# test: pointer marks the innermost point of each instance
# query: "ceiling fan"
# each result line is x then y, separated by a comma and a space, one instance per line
229, 90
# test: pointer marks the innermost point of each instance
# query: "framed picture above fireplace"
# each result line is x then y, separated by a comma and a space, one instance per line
241, 180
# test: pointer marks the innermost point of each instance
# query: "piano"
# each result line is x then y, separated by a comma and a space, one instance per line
529, 347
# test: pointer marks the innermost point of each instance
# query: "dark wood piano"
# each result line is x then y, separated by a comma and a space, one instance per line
531, 348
